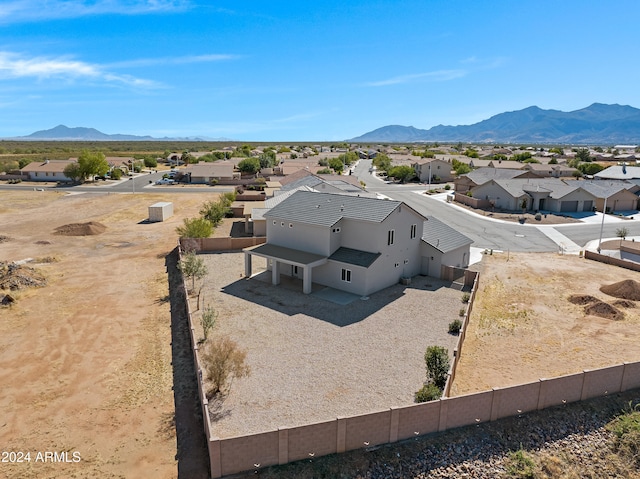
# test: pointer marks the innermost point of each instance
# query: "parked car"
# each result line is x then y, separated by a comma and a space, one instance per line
165, 181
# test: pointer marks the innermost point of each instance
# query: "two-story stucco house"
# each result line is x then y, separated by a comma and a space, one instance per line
355, 244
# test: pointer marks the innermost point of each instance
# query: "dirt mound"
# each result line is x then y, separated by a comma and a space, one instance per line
604, 310
624, 303
627, 289
582, 299
14, 277
81, 229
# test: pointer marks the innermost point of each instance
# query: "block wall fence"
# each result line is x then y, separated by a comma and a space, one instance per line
287, 444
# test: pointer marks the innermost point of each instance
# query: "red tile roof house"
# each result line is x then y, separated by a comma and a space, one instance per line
49, 170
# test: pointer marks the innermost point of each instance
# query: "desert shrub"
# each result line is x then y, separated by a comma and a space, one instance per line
466, 297
461, 312
195, 228
436, 359
208, 320
454, 326
223, 361
519, 464
116, 174
447, 187
626, 431
150, 162
428, 392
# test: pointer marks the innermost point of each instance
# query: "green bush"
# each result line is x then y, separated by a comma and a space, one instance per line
428, 392
461, 312
454, 326
519, 464
436, 359
116, 174
626, 431
447, 187
466, 297
150, 162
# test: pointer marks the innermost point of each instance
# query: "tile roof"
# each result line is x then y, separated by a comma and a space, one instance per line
619, 172
326, 209
482, 175
354, 256
56, 166
442, 236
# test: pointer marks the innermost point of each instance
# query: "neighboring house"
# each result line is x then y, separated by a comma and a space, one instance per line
351, 243
548, 194
474, 178
619, 195
49, 170
431, 170
619, 172
550, 171
204, 172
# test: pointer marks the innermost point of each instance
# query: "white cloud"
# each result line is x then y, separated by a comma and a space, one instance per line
13, 65
17, 11
145, 62
440, 75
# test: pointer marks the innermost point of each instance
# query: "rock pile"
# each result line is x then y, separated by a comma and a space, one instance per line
14, 277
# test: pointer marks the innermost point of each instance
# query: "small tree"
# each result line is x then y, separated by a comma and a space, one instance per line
207, 320
622, 234
437, 362
402, 173
150, 162
193, 267
214, 211
73, 171
249, 165
223, 361
195, 228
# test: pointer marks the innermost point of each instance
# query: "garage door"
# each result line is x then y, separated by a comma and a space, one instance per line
587, 206
568, 206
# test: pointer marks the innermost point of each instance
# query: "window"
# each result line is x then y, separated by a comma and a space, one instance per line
414, 228
336, 230
390, 237
346, 275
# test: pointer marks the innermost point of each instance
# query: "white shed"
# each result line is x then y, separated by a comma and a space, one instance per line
160, 211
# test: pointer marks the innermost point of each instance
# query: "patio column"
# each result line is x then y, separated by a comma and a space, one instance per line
275, 272
306, 279
247, 265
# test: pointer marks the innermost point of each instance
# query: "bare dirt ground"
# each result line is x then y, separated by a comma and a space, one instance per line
523, 326
86, 361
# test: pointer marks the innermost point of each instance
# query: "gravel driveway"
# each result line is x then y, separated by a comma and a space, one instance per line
312, 360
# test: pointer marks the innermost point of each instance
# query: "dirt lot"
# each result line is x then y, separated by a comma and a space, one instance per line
523, 326
315, 360
86, 361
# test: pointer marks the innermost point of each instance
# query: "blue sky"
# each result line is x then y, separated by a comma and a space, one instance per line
303, 71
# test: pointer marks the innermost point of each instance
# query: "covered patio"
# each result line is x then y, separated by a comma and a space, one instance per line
279, 255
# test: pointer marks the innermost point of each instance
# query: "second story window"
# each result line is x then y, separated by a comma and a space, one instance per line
390, 237
414, 229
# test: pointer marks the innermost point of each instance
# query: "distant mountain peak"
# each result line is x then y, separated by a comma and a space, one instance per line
81, 133
598, 123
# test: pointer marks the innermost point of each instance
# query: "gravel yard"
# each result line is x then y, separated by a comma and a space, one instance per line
313, 360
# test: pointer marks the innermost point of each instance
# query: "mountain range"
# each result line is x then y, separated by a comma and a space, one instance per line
596, 124
64, 133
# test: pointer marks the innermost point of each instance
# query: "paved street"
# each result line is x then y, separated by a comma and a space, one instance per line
489, 233
486, 233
